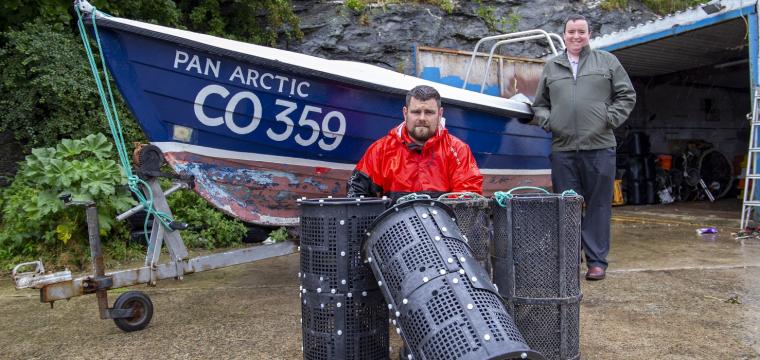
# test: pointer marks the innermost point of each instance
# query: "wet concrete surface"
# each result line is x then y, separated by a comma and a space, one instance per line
666, 296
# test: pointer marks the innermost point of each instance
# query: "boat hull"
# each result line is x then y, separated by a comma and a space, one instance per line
258, 133
263, 192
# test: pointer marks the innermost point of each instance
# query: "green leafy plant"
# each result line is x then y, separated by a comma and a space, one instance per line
209, 227
48, 93
355, 5
35, 221
280, 234
257, 21
488, 14
446, 5
513, 21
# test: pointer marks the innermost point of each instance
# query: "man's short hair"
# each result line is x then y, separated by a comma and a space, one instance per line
423, 93
575, 17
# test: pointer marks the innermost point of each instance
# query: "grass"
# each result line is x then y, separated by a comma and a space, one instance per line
613, 4
661, 7
664, 7
360, 5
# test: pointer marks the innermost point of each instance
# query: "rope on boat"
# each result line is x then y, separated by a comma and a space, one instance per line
109, 107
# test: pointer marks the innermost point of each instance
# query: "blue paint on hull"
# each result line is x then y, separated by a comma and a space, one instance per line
434, 74
162, 95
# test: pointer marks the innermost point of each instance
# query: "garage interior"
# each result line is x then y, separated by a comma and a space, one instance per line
690, 122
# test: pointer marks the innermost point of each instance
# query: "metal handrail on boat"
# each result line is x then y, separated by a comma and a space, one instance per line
512, 37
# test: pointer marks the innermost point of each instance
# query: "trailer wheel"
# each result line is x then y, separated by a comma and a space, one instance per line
142, 307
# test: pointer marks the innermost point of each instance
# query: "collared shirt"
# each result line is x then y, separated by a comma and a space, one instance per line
574, 65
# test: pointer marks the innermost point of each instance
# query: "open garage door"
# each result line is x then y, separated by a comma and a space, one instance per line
694, 74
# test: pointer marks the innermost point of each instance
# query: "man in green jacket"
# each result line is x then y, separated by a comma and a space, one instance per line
582, 96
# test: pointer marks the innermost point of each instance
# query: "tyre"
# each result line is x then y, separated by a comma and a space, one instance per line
142, 309
717, 172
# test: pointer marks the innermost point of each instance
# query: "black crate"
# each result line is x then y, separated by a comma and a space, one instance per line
332, 231
537, 242
443, 301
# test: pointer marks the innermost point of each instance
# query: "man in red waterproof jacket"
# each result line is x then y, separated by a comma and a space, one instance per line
418, 156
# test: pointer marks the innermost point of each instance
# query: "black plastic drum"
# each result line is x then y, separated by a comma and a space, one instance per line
537, 241
332, 231
440, 297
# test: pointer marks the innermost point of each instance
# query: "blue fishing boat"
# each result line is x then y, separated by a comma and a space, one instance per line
259, 127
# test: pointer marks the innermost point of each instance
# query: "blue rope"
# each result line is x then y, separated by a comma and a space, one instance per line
502, 197
570, 192
114, 124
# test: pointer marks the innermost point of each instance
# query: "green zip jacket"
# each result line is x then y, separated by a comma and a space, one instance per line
582, 112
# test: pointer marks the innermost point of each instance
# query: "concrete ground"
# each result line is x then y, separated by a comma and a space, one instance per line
669, 294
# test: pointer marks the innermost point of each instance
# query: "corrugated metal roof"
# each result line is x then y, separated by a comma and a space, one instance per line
686, 40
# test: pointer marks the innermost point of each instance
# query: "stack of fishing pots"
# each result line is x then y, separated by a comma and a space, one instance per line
537, 241
640, 171
441, 299
343, 314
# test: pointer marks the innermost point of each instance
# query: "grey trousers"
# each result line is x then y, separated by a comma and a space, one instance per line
590, 173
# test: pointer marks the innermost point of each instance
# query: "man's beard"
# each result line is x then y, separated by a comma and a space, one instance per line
421, 133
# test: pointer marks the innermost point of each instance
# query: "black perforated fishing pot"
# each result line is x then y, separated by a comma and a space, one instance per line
332, 231
440, 298
343, 314
537, 241
351, 326
473, 214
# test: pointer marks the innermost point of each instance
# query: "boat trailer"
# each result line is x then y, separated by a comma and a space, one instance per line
133, 310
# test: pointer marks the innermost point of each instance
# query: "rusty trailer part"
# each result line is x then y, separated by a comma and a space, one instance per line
38, 278
133, 310
67, 289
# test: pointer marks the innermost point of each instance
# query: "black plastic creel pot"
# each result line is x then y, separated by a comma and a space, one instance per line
537, 242
352, 326
473, 214
332, 231
343, 315
440, 298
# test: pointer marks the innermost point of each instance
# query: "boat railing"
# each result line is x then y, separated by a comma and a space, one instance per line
526, 35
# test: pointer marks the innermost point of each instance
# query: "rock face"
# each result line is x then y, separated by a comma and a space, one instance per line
385, 35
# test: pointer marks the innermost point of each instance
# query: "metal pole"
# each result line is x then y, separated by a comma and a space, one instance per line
139, 207
98, 266
502, 42
503, 36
